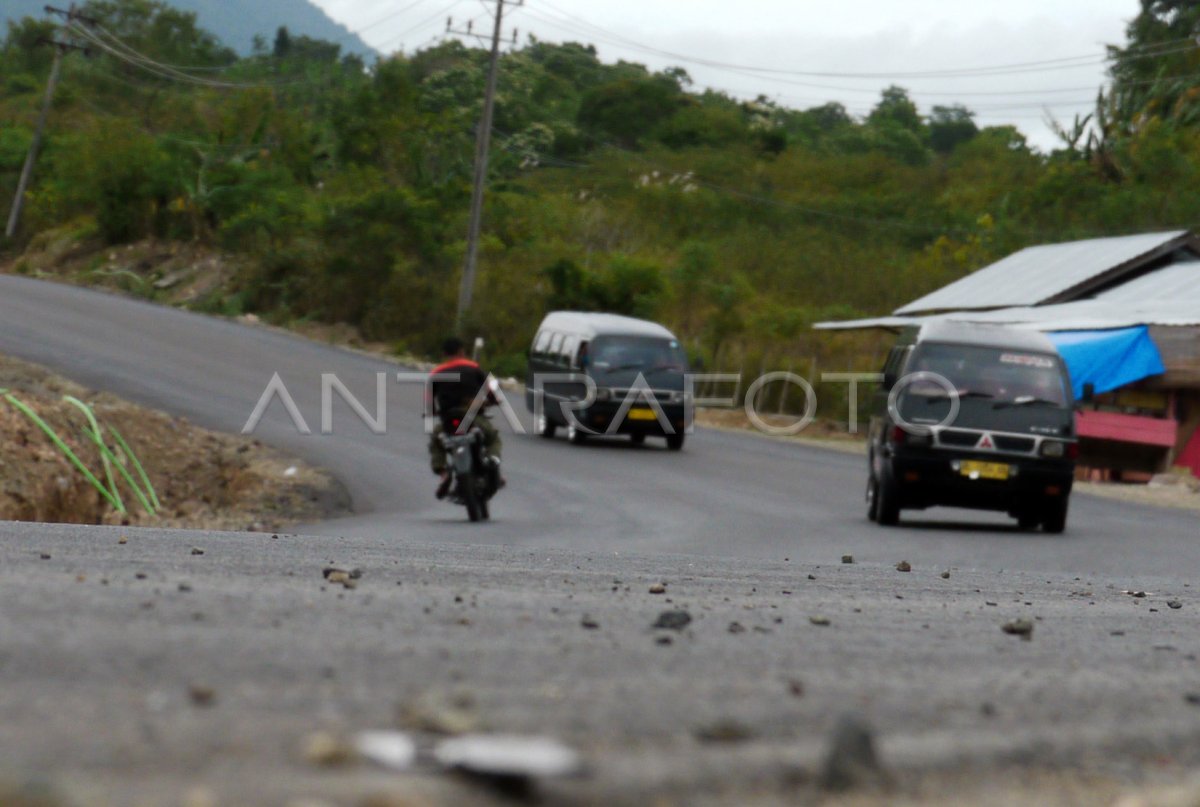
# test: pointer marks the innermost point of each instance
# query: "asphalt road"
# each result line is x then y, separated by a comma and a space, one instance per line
95, 670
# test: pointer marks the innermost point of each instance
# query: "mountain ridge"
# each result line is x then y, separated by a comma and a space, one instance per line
236, 24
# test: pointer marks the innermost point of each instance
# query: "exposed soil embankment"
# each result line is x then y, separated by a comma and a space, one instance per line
202, 479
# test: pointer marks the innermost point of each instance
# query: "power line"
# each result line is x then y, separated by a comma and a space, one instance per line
125, 53
437, 15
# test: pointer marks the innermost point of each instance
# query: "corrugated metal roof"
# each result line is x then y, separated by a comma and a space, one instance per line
1177, 282
1084, 315
1037, 274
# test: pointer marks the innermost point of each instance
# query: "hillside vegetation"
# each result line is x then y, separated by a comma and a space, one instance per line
344, 190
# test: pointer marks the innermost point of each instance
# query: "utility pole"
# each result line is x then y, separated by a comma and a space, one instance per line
483, 140
14, 216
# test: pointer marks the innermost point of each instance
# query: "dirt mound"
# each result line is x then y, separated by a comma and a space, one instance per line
202, 479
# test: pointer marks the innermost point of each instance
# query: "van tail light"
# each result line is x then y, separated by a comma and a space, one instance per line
904, 437
454, 424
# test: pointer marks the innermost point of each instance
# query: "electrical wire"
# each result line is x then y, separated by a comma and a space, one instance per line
122, 51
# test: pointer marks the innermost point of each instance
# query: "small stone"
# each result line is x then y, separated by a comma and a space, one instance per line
201, 695
946, 575
904, 566
672, 620
140, 575
122, 540
658, 588
1019, 627
184, 587
664, 640
847, 558
45, 556
987, 710
80, 578
340, 577
819, 620
736, 627
796, 688
197, 550
441, 712
589, 623
852, 761
812, 577
1174, 605
1192, 698
327, 750
724, 731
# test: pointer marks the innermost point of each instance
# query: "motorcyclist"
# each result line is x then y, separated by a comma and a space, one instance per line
454, 386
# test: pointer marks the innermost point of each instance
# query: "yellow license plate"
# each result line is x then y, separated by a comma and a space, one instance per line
984, 470
641, 413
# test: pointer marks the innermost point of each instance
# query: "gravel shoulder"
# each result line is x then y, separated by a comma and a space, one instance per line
203, 479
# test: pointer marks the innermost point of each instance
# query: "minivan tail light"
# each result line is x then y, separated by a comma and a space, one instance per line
899, 436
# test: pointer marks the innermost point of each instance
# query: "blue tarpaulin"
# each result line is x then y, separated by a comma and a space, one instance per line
1108, 359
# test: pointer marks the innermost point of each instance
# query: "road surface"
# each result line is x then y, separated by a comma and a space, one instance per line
735, 524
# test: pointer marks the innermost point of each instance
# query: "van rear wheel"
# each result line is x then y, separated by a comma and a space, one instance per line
576, 435
545, 427
675, 441
887, 501
1054, 517
637, 439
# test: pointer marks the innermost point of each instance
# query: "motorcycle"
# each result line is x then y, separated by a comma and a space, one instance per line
474, 475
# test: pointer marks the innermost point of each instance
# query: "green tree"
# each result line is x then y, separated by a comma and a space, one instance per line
951, 126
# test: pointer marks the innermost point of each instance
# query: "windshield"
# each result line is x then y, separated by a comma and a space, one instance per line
641, 353
1005, 377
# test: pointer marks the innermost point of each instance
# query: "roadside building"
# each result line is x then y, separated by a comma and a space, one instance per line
1125, 314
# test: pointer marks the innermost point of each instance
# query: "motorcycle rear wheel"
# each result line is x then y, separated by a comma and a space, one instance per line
470, 496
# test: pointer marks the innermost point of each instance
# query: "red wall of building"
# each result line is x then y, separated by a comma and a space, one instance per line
1190, 456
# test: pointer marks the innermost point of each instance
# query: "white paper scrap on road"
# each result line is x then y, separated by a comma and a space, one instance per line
392, 749
508, 755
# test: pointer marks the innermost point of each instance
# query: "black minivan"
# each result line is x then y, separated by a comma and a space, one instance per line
638, 370
973, 416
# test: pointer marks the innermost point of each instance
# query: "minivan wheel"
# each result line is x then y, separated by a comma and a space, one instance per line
545, 427
872, 498
887, 501
675, 441
576, 435
1054, 517
1028, 521
637, 439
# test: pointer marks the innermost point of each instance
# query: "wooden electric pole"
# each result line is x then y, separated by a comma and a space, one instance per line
483, 139
14, 215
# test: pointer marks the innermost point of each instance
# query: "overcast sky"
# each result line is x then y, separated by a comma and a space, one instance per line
810, 42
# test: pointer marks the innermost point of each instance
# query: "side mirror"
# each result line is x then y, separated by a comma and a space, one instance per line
1089, 393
